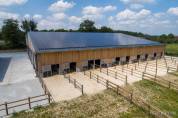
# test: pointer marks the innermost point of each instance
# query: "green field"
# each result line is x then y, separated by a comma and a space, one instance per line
163, 98
103, 105
172, 49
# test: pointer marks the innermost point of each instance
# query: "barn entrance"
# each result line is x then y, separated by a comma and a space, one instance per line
138, 57
73, 67
97, 63
127, 58
55, 69
117, 60
90, 64
146, 56
155, 55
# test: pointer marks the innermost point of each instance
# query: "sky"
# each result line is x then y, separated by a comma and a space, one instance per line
148, 16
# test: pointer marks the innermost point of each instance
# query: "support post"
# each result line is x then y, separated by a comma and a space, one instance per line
75, 83
29, 103
107, 72
82, 90
126, 80
7, 112
90, 74
49, 99
107, 84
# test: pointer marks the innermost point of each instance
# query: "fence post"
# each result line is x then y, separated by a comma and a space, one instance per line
7, 113
49, 99
135, 67
100, 68
132, 71
75, 83
107, 71
97, 79
126, 80
29, 103
122, 68
131, 96
117, 90
69, 78
169, 85
107, 84
82, 90
143, 75
90, 74
84, 72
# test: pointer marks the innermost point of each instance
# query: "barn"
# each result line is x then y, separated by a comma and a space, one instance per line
58, 52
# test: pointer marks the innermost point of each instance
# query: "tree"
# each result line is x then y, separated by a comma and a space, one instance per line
1, 36
87, 26
171, 36
29, 25
11, 34
105, 29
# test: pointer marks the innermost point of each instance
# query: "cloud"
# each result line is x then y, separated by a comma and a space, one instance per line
59, 16
75, 19
136, 6
61, 6
12, 2
137, 1
37, 17
93, 10
8, 15
173, 10
131, 15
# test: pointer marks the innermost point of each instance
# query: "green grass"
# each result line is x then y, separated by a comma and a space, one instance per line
104, 105
163, 98
172, 49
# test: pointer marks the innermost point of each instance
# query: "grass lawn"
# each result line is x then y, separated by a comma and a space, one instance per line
172, 49
104, 105
159, 96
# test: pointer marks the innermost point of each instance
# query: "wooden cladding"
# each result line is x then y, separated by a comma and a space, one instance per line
78, 56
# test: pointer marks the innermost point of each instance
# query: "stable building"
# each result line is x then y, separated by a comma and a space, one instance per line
58, 52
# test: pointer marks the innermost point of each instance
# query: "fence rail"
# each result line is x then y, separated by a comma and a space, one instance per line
133, 98
75, 83
28, 103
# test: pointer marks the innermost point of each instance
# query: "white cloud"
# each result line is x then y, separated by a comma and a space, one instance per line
8, 15
12, 2
136, 6
59, 16
93, 10
173, 10
75, 19
130, 15
61, 6
37, 17
137, 1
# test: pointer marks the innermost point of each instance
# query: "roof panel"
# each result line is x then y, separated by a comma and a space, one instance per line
62, 41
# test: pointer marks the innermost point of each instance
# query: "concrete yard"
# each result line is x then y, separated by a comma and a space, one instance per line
90, 86
60, 88
19, 81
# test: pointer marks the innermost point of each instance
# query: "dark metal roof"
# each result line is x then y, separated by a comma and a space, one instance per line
65, 41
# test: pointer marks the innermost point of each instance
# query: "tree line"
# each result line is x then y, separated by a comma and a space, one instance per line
14, 33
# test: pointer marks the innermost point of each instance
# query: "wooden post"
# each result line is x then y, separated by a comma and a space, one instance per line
75, 83
126, 80
90, 74
82, 90
107, 72
29, 103
122, 68
116, 74
169, 85
117, 90
7, 112
49, 99
131, 96
69, 78
143, 75
84, 72
100, 68
97, 79
132, 71
135, 67
107, 84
